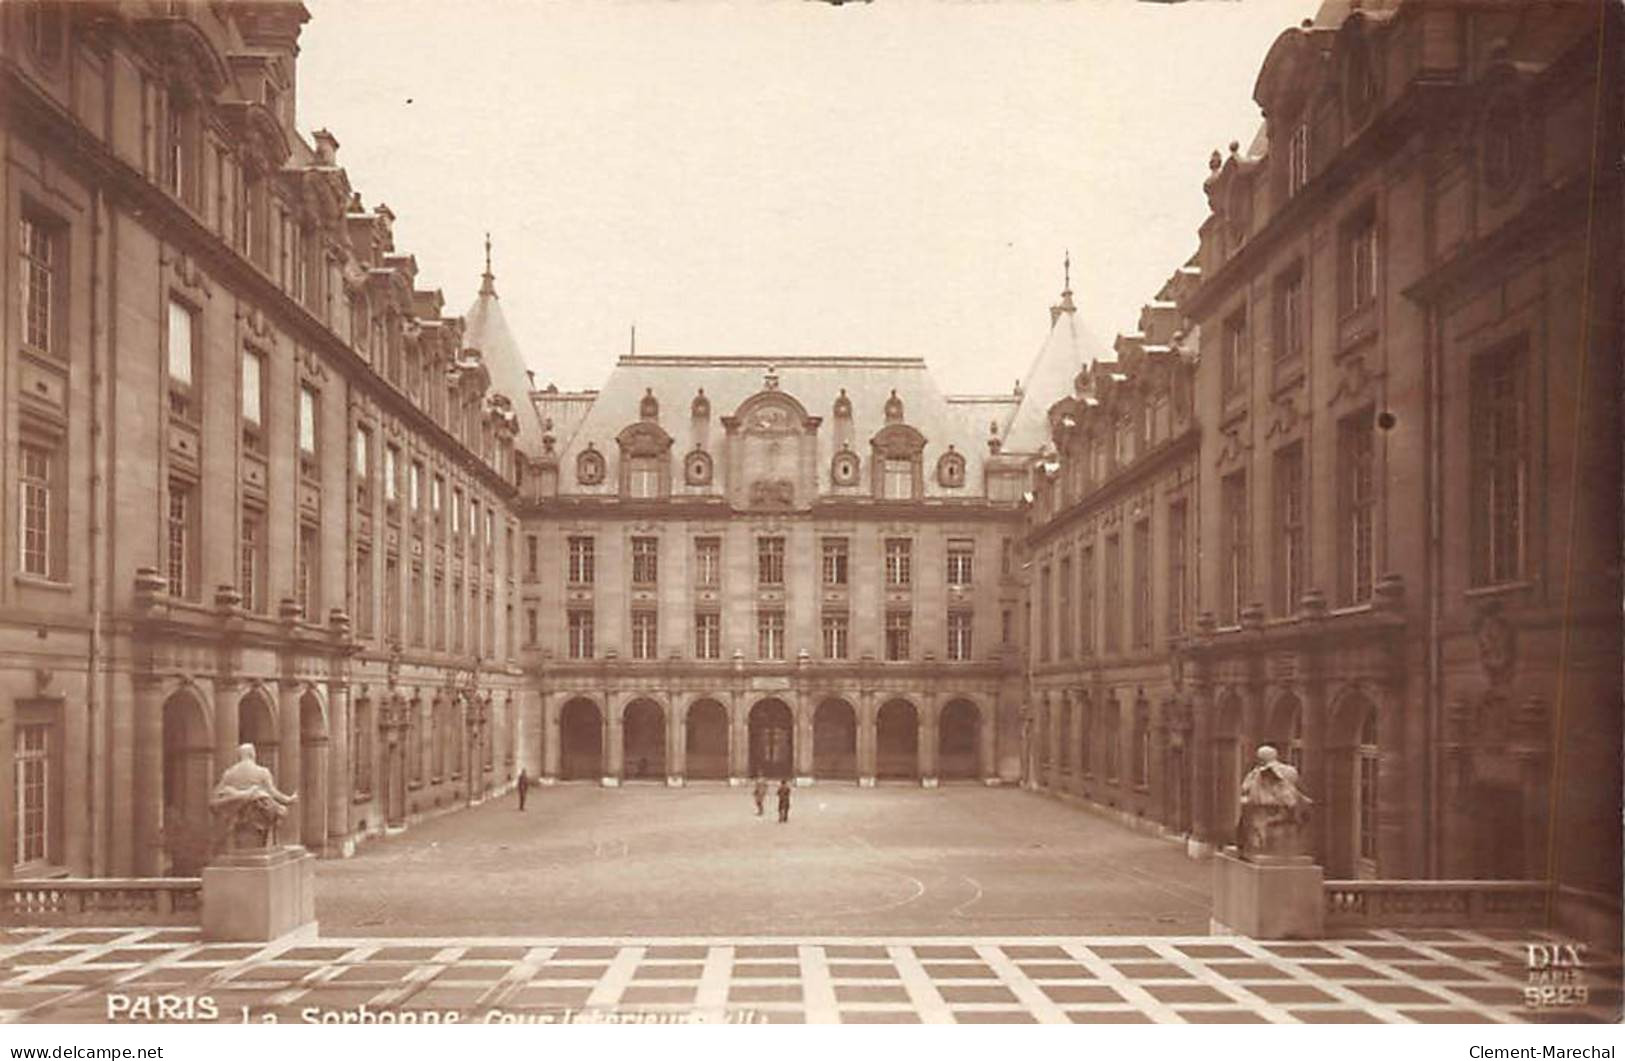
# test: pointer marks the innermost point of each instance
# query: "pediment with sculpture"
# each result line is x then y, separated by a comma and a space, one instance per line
771, 413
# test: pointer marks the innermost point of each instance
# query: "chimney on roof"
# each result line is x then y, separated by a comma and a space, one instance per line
327, 147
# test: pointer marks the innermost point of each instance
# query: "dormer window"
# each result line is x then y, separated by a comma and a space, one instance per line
843, 470
643, 477
951, 469
897, 481
1297, 158
182, 360
1359, 82
697, 468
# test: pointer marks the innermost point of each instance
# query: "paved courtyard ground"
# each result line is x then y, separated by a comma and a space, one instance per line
650, 861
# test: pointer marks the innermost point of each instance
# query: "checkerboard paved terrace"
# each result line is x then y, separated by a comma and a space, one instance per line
76, 975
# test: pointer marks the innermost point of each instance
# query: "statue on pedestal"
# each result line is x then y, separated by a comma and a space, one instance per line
1273, 809
247, 804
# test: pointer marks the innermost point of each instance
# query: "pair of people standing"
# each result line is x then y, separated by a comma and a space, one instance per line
759, 794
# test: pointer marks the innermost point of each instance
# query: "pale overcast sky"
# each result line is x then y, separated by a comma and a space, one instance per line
782, 178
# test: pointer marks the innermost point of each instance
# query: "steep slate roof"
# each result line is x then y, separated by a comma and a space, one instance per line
1066, 350
814, 381
485, 329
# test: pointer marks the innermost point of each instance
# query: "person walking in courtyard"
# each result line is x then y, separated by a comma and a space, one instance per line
524, 787
759, 794
784, 800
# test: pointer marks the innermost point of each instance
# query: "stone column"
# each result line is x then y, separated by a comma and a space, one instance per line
227, 693
289, 776
925, 747
550, 735
866, 739
738, 741
614, 734
338, 765
676, 741
311, 808
987, 734
1204, 811
804, 738
146, 798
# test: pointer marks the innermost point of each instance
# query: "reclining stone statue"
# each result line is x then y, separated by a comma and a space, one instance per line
247, 804
1274, 810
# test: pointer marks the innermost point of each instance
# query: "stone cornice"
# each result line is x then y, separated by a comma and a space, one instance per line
1136, 477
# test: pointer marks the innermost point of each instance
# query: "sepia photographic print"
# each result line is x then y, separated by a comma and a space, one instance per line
811, 513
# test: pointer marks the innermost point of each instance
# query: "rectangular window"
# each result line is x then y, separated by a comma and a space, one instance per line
533, 557
363, 593
707, 635
459, 617
1358, 280
251, 562
181, 359
1290, 529
438, 606
363, 465
1297, 158
897, 479
1063, 609
416, 605
898, 624
307, 420
645, 561
253, 395
1289, 316
645, 635
1046, 601
415, 488
770, 561
1140, 764
179, 543
1178, 603
836, 629
1007, 626
708, 561
770, 634
581, 561
1143, 627
392, 471
959, 631
899, 558
1086, 599
580, 629
37, 512
835, 561
309, 574
1114, 738
532, 627
1007, 557
38, 272
1233, 549
1356, 485
961, 553
1233, 354
1114, 593
457, 516
643, 478
31, 768
392, 596
1500, 466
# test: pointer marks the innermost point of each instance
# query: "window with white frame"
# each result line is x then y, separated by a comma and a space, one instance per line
31, 797
899, 561
961, 553
836, 628
959, 636
645, 635
770, 634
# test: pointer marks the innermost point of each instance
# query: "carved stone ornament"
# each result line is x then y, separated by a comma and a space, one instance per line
844, 469
772, 493
590, 467
701, 406
697, 468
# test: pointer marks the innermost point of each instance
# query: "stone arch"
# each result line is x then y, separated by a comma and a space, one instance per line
772, 739
643, 739
188, 775
1353, 758
897, 739
706, 740
1285, 730
257, 725
835, 739
313, 752
581, 740
959, 740
1229, 749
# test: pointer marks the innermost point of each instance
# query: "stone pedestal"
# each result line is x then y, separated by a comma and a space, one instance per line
1268, 897
258, 896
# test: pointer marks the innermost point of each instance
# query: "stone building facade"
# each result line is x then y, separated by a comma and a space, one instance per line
1407, 324
801, 568
256, 485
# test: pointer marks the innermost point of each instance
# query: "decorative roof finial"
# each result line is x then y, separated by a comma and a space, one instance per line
1066, 265
488, 282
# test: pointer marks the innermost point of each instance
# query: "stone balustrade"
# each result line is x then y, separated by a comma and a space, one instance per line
1433, 903
102, 901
